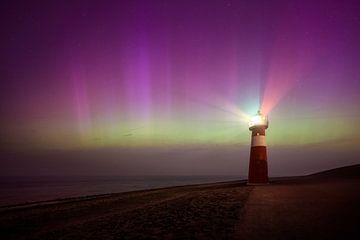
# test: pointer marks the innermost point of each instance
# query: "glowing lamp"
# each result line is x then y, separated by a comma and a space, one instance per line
258, 120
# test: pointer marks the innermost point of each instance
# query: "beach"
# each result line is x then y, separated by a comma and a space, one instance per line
196, 211
323, 206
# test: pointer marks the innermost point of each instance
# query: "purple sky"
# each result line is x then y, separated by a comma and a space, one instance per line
166, 87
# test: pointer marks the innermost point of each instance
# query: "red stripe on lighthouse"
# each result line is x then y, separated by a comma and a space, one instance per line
258, 169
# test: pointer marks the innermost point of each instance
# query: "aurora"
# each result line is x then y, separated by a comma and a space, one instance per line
168, 87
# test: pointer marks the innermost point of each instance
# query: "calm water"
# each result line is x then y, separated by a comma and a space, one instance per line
15, 190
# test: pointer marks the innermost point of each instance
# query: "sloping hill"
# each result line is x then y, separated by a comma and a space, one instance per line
352, 171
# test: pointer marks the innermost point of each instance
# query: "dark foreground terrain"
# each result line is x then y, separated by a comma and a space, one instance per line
320, 206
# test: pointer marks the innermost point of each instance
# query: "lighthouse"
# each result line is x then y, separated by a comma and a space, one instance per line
258, 169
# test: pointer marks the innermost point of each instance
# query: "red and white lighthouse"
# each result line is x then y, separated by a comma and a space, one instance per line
258, 169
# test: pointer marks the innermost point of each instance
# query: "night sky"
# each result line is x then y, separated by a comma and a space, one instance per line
167, 87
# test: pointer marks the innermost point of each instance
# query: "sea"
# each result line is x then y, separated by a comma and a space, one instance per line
21, 190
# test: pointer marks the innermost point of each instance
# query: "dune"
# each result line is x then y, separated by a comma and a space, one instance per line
322, 205
352, 171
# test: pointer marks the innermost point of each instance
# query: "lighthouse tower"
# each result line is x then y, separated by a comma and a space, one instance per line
258, 169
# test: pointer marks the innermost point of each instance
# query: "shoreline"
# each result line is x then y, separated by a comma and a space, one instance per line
272, 180
33, 190
97, 196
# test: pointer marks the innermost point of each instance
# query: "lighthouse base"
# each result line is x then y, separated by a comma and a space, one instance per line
257, 184
258, 169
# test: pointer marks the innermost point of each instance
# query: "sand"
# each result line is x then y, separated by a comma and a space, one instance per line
193, 212
323, 206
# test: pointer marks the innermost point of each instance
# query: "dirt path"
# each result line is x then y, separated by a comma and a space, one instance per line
302, 210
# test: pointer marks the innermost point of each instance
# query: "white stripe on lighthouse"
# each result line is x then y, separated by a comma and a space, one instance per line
258, 141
